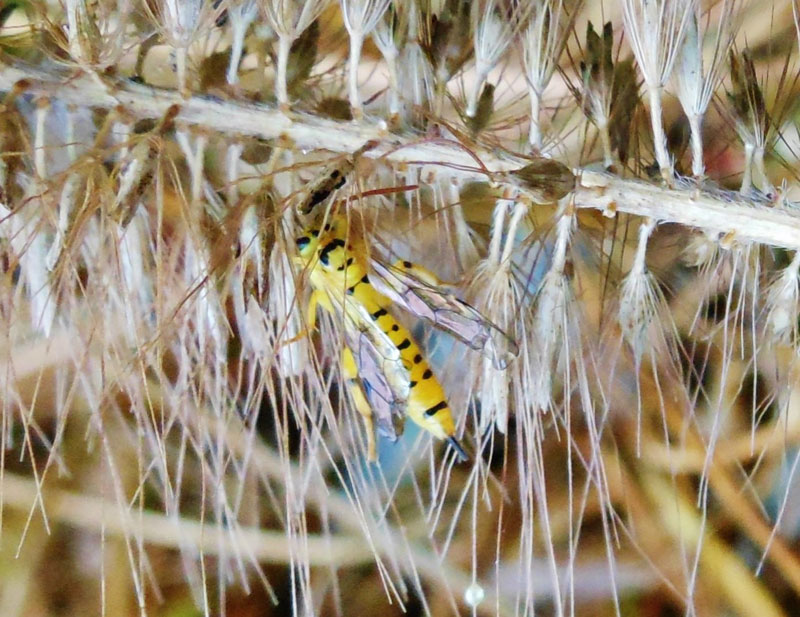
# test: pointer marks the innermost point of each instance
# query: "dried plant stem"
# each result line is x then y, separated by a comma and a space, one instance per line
769, 440
240, 15
605, 141
389, 541
395, 100
747, 178
639, 260
742, 512
281, 88
535, 130
696, 128
659, 135
737, 585
237, 47
341, 550
95, 513
737, 218
356, 42
758, 161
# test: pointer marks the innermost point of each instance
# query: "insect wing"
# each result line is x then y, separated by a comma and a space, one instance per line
445, 311
384, 378
383, 400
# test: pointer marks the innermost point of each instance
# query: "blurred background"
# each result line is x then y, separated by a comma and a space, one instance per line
176, 440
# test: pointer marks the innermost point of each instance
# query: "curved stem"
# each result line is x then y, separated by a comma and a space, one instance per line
237, 47
281, 91
472, 104
659, 136
696, 127
758, 161
498, 223
394, 92
356, 42
639, 260
535, 130
605, 142
747, 177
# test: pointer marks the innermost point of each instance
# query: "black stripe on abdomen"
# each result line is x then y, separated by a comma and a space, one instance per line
430, 411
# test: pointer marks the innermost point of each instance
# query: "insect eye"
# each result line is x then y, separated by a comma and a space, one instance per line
303, 242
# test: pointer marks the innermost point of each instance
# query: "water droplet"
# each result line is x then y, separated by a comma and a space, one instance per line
474, 595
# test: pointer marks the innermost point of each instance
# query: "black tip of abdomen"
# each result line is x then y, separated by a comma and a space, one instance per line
462, 455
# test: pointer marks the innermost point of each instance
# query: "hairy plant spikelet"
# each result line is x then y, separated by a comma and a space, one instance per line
542, 358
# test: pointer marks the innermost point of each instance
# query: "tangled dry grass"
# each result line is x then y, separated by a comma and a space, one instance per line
175, 439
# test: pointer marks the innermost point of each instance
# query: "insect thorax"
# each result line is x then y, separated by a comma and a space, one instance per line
332, 254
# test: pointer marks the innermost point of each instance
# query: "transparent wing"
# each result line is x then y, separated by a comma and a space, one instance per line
384, 378
445, 311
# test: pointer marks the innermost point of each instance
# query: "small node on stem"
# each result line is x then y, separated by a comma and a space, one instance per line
727, 240
610, 211
285, 142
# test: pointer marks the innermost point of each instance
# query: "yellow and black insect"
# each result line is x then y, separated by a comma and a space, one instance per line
388, 375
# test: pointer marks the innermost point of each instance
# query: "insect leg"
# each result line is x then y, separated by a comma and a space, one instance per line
360, 400
311, 319
311, 314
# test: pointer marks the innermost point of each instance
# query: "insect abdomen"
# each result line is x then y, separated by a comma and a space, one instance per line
427, 405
